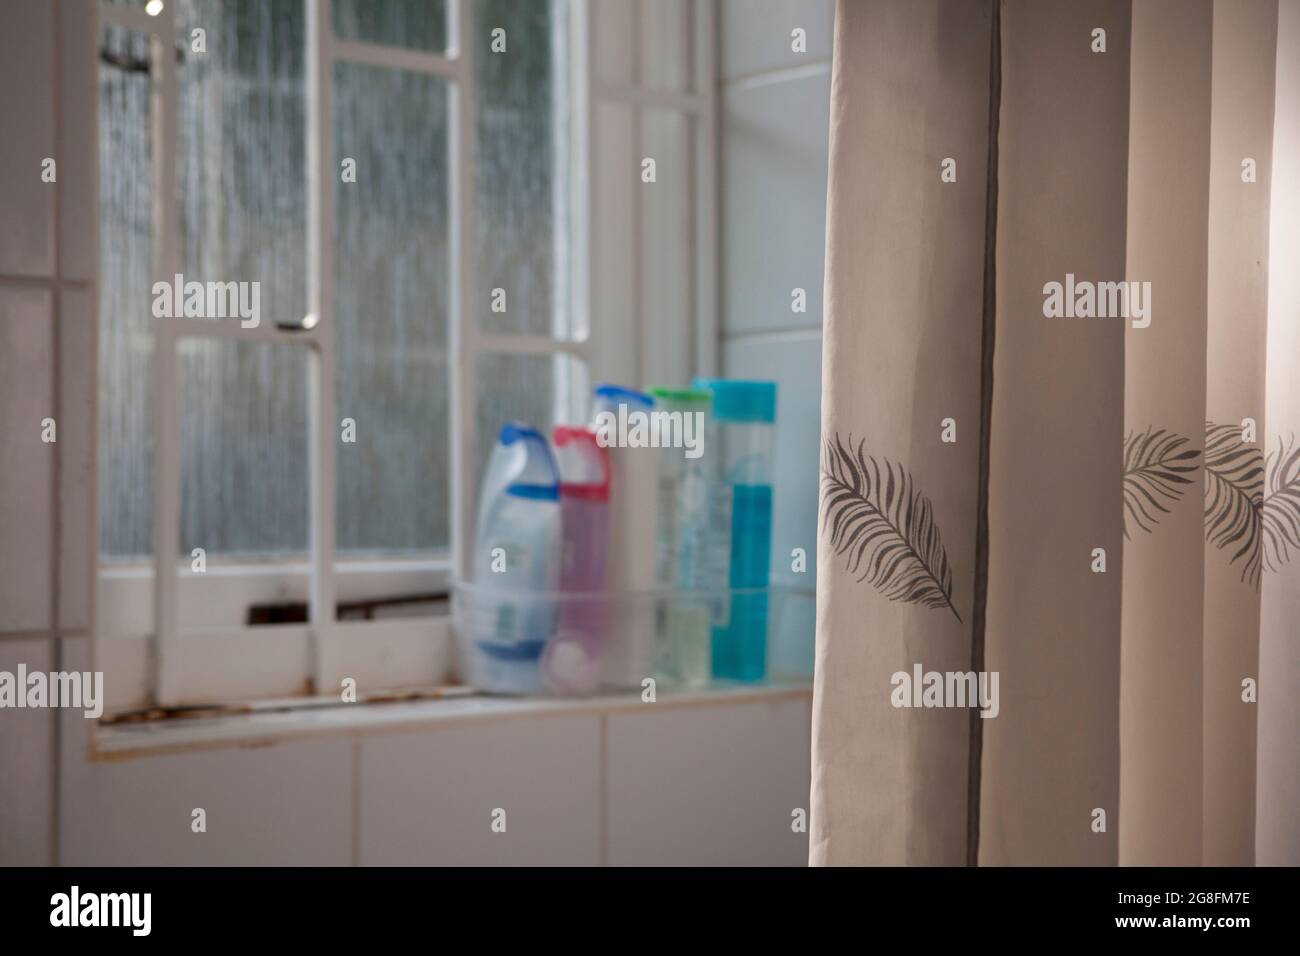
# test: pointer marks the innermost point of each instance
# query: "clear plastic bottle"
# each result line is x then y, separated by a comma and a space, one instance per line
571, 661
511, 614
682, 560
630, 652
741, 503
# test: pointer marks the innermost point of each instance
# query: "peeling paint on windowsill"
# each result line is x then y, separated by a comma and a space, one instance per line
268, 723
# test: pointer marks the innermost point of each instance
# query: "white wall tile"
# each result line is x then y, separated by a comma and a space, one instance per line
26, 759
665, 45
709, 786
756, 34
427, 798
666, 210
27, 120
78, 98
284, 804
79, 540
774, 150
616, 176
614, 47
26, 462
289, 804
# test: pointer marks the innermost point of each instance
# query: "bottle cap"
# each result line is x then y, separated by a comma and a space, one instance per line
737, 401
682, 396
611, 396
539, 476
584, 463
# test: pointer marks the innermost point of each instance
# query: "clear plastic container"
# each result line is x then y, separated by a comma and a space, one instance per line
516, 563
474, 609
682, 558
741, 521
571, 661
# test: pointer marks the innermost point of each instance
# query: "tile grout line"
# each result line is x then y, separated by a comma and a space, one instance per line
765, 336
774, 75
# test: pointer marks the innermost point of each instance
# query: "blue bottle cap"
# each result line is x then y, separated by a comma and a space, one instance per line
737, 401
540, 478
617, 394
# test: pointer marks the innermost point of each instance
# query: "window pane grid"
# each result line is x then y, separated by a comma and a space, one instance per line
550, 351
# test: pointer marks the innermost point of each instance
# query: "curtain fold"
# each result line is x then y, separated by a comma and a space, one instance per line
1138, 588
1244, 49
1277, 828
904, 273
1058, 386
1161, 667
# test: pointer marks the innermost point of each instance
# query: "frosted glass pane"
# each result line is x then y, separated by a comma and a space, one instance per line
125, 338
242, 204
416, 24
241, 161
244, 454
521, 165
538, 390
392, 284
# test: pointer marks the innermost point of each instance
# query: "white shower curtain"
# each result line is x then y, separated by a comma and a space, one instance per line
1103, 511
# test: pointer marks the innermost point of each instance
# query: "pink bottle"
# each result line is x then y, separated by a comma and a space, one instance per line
572, 659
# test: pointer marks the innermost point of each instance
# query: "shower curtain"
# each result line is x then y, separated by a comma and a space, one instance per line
1061, 435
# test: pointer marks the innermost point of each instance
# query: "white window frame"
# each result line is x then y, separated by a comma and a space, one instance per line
151, 659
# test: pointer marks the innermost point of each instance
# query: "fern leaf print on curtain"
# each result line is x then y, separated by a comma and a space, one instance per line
1252, 501
1156, 470
881, 523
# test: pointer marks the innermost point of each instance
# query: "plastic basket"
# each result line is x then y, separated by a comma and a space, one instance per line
572, 644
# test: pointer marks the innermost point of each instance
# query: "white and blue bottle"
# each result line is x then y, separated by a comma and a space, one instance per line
516, 563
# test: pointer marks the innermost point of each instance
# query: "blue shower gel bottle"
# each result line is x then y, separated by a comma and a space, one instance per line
744, 414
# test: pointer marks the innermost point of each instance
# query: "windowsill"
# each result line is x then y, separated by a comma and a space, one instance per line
264, 728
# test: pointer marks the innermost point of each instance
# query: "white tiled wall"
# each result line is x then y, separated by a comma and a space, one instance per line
78, 195
78, 429
27, 462
702, 784
26, 769
27, 118
756, 34
698, 787
775, 124
47, 259
290, 804
774, 200
429, 798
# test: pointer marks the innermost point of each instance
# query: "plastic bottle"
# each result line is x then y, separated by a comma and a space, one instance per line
745, 415
516, 563
571, 661
630, 652
682, 546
